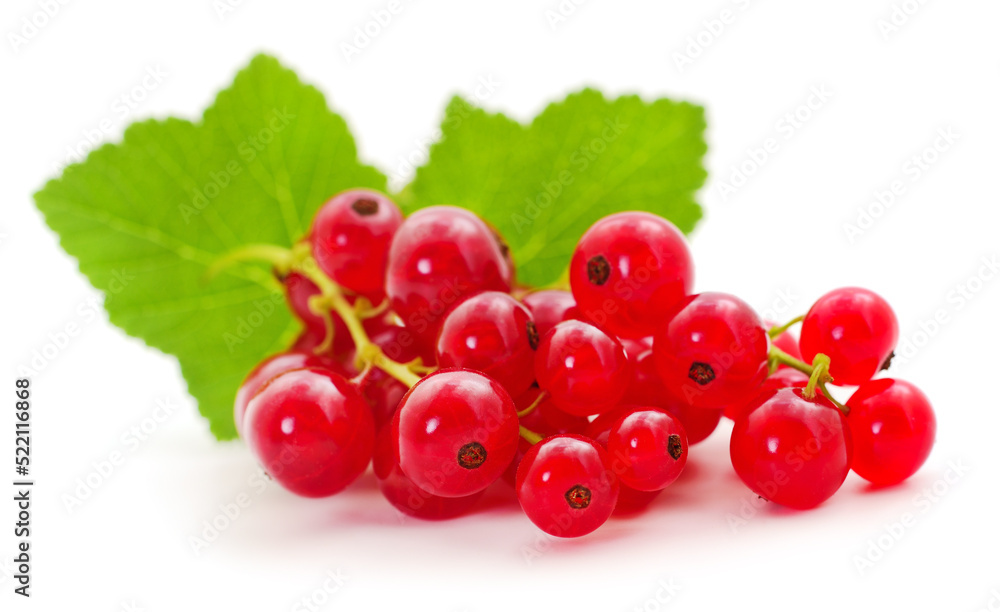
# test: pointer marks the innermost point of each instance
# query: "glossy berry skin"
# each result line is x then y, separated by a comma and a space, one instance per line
584, 369
636, 346
350, 240
439, 256
648, 449
455, 432
855, 328
407, 497
495, 334
647, 389
792, 450
545, 420
893, 427
698, 423
782, 378
712, 351
549, 307
628, 269
311, 431
268, 369
565, 486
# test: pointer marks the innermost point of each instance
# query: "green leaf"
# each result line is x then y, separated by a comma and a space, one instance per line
146, 217
542, 185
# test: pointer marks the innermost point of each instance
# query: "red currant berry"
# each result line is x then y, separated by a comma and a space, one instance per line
855, 328
584, 369
792, 450
407, 497
440, 256
712, 352
350, 240
493, 333
781, 379
311, 431
268, 369
646, 388
565, 486
628, 269
648, 449
549, 307
893, 427
455, 432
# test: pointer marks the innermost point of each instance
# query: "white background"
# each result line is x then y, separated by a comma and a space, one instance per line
778, 241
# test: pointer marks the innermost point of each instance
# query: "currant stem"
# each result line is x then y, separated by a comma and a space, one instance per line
777, 330
544, 395
820, 374
841, 407
373, 354
529, 435
818, 379
826, 392
280, 258
417, 366
365, 309
317, 304
367, 351
776, 355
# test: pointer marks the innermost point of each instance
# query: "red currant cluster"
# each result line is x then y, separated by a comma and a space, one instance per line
422, 355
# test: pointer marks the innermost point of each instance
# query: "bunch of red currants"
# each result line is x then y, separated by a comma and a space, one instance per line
421, 355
